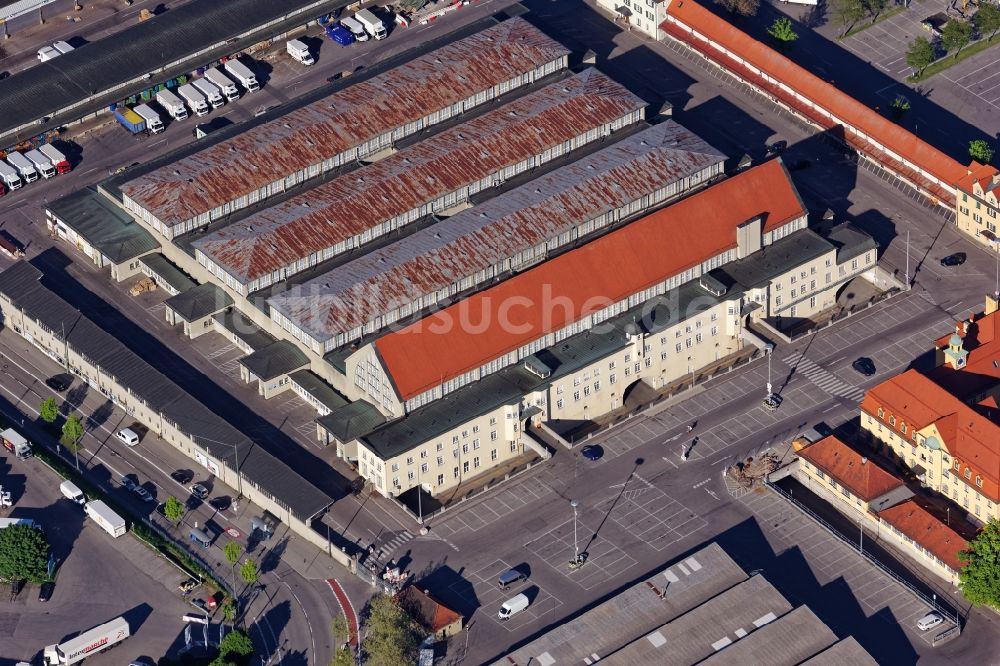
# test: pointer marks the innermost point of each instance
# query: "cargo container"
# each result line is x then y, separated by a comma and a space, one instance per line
130, 120
109, 521
340, 34
153, 123
57, 159
195, 100
210, 91
25, 168
242, 74
42, 163
226, 84
172, 104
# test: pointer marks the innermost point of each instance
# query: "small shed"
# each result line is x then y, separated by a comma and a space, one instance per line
441, 621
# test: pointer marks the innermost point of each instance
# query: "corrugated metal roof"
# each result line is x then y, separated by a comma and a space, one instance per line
354, 203
21, 284
575, 284
313, 384
163, 269
275, 360
200, 301
344, 120
460, 246
103, 225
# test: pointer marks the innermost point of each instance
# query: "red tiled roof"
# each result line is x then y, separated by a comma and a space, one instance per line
427, 610
984, 174
824, 95
565, 289
972, 439
927, 530
862, 477
981, 339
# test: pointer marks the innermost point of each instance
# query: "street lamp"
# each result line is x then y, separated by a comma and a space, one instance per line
767, 350
995, 240
576, 545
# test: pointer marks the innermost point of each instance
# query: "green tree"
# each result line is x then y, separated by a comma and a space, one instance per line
343, 654
48, 411
874, 7
233, 551
740, 7
847, 13
72, 432
236, 644
899, 106
981, 151
229, 610
782, 30
956, 35
987, 19
979, 579
919, 54
392, 636
174, 509
248, 572
24, 554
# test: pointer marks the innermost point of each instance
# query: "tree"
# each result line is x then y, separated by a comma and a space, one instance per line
987, 19
899, 106
24, 554
229, 610
741, 7
919, 54
981, 151
174, 510
847, 13
392, 634
874, 7
72, 432
979, 579
248, 572
956, 35
48, 411
343, 654
233, 551
234, 648
782, 30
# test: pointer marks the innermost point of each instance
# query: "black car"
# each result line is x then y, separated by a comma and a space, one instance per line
592, 452
182, 476
865, 366
59, 383
220, 503
956, 259
45, 592
200, 603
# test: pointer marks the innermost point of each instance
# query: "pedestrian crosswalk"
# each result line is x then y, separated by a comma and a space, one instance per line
824, 379
389, 546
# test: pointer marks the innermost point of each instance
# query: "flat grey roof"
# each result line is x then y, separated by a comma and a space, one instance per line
790, 639
314, 385
850, 241
129, 55
280, 358
634, 611
700, 632
163, 269
201, 301
352, 421
239, 325
847, 652
22, 286
102, 224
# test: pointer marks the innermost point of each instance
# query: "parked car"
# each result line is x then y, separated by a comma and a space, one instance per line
220, 503
59, 383
956, 259
128, 483
200, 603
45, 591
592, 452
143, 494
182, 476
929, 621
865, 366
199, 491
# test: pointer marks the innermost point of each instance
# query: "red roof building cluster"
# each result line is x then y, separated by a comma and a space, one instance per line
859, 475
913, 519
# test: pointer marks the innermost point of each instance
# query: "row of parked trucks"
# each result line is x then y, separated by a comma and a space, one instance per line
20, 168
199, 97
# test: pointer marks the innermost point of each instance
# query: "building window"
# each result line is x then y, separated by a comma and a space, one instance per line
475, 462
892, 420
881, 413
968, 473
559, 403
979, 481
440, 461
576, 394
493, 434
493, 454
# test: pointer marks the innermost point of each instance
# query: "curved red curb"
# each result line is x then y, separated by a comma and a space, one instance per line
347, 608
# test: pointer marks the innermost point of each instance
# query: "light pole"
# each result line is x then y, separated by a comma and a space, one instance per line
576, 545
420, 491
767, 350
907, 259
861, 537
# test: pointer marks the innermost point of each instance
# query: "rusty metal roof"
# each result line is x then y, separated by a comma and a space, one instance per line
346, 119
413, 177
439, 256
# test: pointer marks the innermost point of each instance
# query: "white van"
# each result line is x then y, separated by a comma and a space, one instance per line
929, 621
354, 25
128, 436
513, 606
299, 51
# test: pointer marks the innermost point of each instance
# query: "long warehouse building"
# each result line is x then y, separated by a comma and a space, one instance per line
350, 124
431, 176
504, 235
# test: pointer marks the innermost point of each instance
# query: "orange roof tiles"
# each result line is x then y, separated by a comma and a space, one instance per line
862, 477
565, 289
981, 339
427, 610
927, 530
983, 174
841, 105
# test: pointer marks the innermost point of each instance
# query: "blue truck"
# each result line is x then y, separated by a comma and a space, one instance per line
130, 120
340, 34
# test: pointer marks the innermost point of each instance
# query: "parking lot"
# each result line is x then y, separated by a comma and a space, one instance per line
481, 587
98, 579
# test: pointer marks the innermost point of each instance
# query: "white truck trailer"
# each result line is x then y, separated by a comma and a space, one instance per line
210, 91
224, 83
98, 639
25, 168
109, 521
58, 160
242, 74
195, 100
172, 104
153, 122
42, 163
16, 443
373, 24
10, 176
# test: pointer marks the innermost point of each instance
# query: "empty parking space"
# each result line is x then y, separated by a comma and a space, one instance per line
480, 589
502, 502
605, 560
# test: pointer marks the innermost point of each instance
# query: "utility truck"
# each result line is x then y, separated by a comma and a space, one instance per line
100, 638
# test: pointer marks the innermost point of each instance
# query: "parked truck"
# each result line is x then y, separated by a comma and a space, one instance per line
72, 492
14, 442
195, 100
242, 74
210, 91
57, 159
62, 47
98, 639
372, 24
172, 104
130, 120
42, 163
153, 123
299, 51
109, 521
23, 166
47, 53
9, 176
224, 83
340, 34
